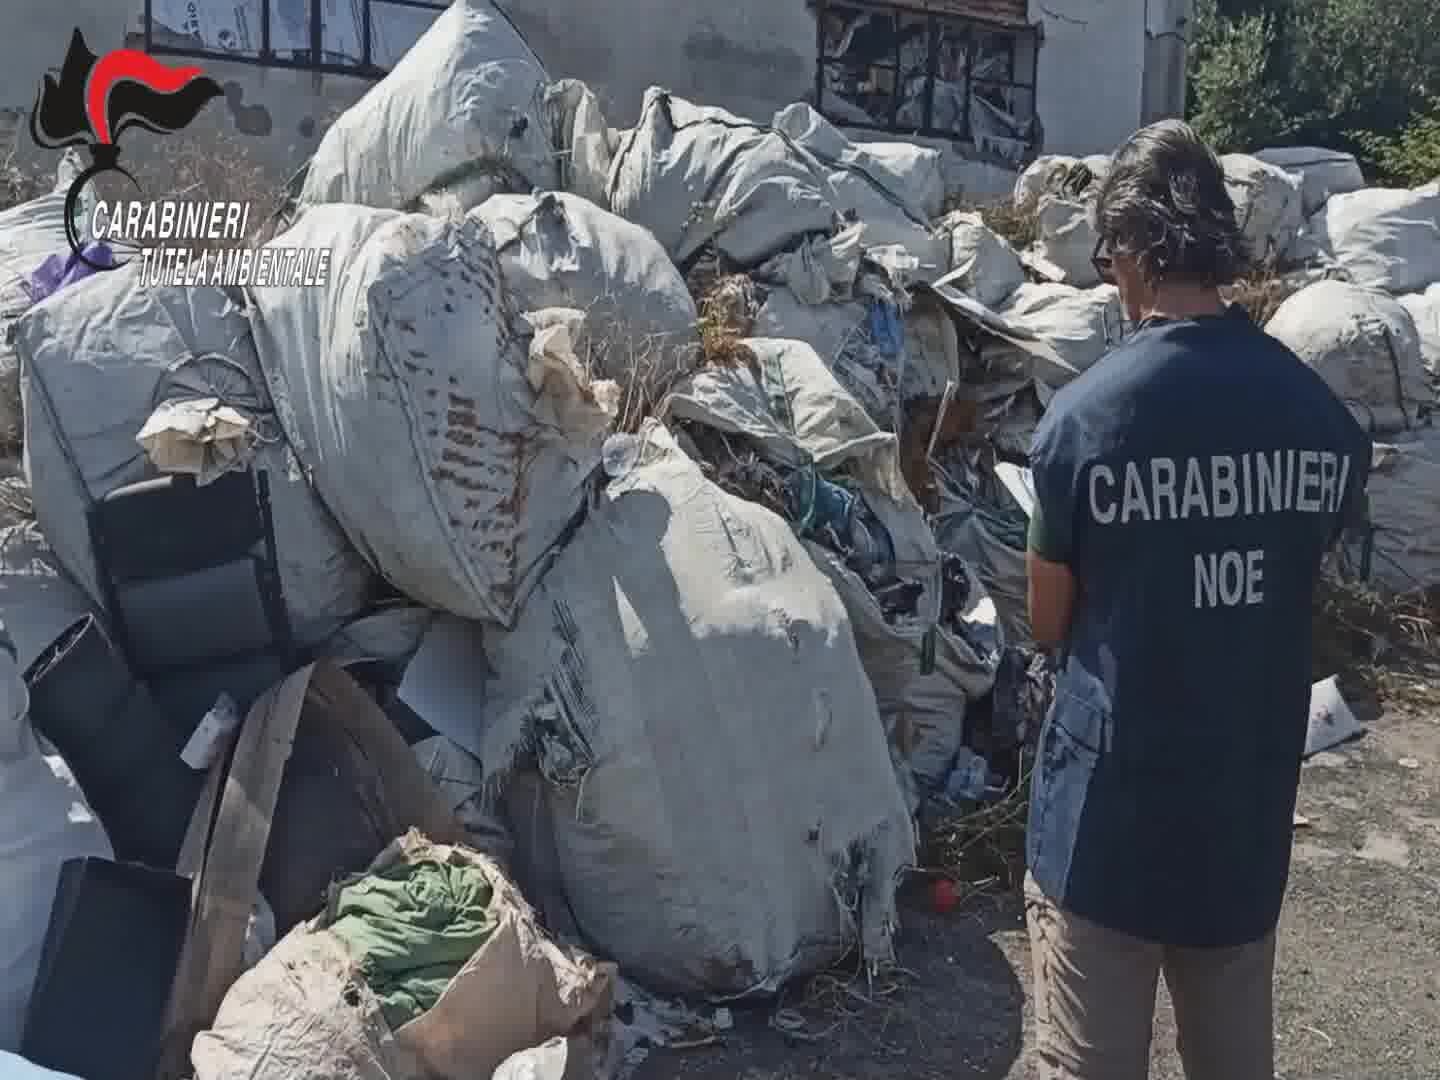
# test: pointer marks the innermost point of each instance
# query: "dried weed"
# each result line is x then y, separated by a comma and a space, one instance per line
983, 852
1261, 292
727, 316
1018, 224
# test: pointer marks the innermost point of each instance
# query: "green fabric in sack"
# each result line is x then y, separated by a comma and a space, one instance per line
411, 928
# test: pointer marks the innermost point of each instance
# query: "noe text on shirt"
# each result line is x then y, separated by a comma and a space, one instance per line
1220, 486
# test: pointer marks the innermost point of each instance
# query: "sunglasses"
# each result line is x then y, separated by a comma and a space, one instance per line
1103, 262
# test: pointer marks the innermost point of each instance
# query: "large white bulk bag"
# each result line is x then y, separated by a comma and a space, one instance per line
842, 336
43, 822
892, 197
989, 268
99, 356
821, 425
1322, 173
1049, 173
30, 232
1268, 205
1404, 502
1066, 238
1424, 308
407, 388
917, 170
725, 812
1079, 324
1385, 238
561, 251
909, 174
695, 174
465, 106
584, 143
1364, 345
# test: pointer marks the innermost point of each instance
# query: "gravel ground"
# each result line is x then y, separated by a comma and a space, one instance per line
1358, 985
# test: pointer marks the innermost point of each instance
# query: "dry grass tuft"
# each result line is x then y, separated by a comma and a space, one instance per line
20, 183
12, 413
1261, 292
849, 996
1381, 647
982, 853
1018, 224
208, 165
15, 502
727, 316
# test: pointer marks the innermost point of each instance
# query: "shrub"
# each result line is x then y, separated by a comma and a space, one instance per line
1412, 157
1336, 73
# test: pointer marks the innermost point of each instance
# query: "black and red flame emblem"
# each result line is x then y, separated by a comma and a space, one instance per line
98, 97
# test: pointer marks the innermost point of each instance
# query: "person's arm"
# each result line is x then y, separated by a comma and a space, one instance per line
1051, 588
1049, 557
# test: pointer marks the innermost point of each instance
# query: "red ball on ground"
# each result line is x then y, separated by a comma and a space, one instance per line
943, 895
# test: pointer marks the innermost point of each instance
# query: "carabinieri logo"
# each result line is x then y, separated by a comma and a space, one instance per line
98, 98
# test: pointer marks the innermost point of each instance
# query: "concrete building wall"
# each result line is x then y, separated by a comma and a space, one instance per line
277, 115
1167, 36
1092, 71
751, 56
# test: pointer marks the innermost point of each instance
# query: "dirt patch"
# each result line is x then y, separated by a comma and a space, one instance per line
1357, 990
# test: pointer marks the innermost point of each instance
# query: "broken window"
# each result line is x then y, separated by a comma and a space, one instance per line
363, 37
929, 67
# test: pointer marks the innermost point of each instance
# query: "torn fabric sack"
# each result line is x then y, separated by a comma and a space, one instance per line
1383, 238
30, 233
462, 110
1322, 172
1267, 205
1424, 308
1048, 173
1404, 497
1364, 345
697, 175
583, 141
1079, 324
559, 251
982, 263
1067, 238
407, 388
909, 175
890, 209
887, 570
429, 964
709, 724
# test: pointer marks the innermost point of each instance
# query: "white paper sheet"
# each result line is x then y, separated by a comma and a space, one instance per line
445, 680
1331, 721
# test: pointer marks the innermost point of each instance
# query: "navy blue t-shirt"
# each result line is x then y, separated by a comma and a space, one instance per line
1193, 481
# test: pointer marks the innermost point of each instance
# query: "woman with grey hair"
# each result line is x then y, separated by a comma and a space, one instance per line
1187, 488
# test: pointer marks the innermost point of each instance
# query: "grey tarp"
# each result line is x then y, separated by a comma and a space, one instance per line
452, 456
725, 811
463, 108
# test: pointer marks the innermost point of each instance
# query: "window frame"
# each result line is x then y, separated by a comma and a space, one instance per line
365, 67
970, 29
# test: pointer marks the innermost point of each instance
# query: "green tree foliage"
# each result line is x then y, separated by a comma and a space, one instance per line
1412, 157
1338, 73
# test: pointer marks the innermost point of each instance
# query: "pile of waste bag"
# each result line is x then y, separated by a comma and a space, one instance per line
580, 594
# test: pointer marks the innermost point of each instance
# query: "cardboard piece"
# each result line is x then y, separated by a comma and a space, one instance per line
229, 832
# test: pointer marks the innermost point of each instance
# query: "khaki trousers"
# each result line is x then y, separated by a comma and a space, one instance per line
1095, 1001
